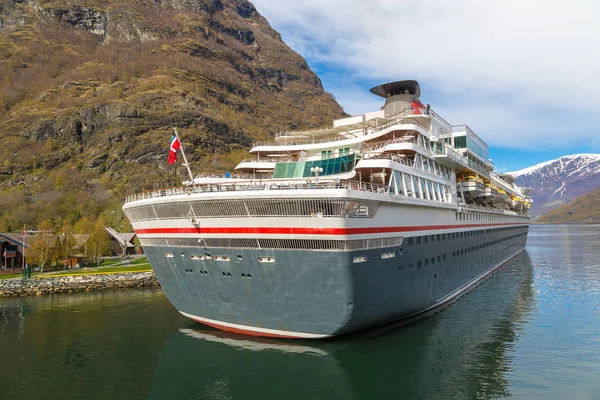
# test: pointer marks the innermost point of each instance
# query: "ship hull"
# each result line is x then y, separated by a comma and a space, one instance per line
322, 293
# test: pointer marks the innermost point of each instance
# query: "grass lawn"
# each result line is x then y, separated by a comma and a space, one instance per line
94, 271
141, 260
106, 263
11, 276
16, 276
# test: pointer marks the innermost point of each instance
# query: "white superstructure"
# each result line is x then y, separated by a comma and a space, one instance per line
398, 189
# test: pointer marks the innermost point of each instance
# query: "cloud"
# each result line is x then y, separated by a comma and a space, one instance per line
521, 71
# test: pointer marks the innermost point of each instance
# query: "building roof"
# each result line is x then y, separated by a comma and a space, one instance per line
15, 239
124, 239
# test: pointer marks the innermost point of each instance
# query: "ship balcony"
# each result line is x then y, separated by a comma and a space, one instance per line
259, 164
444, 152
341, 139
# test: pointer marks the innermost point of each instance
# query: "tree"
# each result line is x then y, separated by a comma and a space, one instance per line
85, 226
42, 246
99, 241
68, 241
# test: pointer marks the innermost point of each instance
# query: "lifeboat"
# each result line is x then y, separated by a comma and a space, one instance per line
502, 197
471, 185
516, 203
489, 192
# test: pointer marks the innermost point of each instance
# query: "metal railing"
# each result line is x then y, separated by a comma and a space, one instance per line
398, 120
232, 175
401, 160
444, 149
256, 186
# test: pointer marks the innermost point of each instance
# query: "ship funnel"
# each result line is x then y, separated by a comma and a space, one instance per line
398, 95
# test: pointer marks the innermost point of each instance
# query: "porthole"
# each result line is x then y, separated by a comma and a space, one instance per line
388, 255
207, 256
240, 258
266, 259
182, 255
249, 276
197, 257
359, 259
222, 258
169, 255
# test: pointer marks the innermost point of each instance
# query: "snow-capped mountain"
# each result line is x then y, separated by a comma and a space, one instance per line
556, 182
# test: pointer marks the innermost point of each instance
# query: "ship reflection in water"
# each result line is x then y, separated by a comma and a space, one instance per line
463, 352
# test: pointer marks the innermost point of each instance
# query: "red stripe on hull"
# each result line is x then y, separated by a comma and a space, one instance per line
245, 331
314, 231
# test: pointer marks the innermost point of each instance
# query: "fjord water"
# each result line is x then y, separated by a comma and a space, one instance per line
532, 330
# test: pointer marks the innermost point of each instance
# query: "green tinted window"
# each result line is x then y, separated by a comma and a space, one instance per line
301, 169
460, 142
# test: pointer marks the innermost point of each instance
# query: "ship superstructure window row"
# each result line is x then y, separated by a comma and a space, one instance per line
247, 208
407, 185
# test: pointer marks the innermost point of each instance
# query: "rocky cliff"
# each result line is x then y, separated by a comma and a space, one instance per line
557, 182
90, 89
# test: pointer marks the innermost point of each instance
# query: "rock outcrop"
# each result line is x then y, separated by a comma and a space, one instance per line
89, 91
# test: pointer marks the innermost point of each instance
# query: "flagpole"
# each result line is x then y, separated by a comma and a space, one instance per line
23, 246
184, 158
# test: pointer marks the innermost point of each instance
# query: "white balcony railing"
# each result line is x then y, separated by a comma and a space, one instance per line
256, 186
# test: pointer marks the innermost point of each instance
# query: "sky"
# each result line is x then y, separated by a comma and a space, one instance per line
523, 74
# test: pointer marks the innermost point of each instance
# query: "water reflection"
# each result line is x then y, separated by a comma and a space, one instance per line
463, 351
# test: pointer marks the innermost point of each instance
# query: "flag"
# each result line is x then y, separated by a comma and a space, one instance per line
418, 107
175, 145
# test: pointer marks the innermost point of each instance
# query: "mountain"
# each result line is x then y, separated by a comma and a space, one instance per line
557, 182
583, 210
89, 91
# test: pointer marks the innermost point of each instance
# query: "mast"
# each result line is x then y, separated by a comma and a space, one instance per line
186, 164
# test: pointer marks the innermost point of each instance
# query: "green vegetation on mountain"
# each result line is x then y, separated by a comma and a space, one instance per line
89, 91
583, 210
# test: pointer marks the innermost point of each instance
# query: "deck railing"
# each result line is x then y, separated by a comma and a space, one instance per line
257, 185
394, 157
404, 119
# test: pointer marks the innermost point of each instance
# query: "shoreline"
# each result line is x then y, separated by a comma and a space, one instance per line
62, 283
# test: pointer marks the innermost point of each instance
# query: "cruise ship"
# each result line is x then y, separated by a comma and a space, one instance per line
322, 232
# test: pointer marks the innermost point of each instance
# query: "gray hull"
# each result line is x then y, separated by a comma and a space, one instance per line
325, 293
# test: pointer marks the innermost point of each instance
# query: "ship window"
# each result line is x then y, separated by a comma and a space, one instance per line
416, 187
169, 255
418, 264
427, 262
444, 257
432, 260
439, 258
426, 238
410, 241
